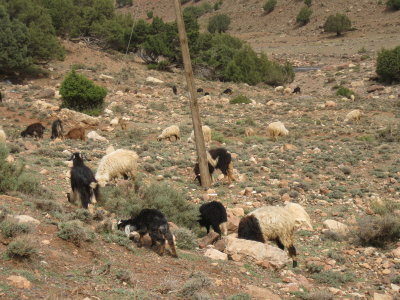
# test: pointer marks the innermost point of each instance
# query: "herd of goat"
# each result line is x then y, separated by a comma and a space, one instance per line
263, 224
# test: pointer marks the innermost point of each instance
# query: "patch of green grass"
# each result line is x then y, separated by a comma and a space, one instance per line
185, 239
119, 238
240, 100
10, 228
332, 278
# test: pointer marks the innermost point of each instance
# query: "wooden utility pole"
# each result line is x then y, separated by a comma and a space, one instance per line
194, 106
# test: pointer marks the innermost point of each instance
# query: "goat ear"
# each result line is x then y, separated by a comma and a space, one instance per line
72, 157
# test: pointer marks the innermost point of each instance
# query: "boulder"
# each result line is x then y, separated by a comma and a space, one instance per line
233, 221
256, 250
19, 282
216, 254
26, 219
396, 252
73, 118
153, 80
209, 239
374, 88
382, 297
46, 93
261, 293
93, 135
336, 227
236, 211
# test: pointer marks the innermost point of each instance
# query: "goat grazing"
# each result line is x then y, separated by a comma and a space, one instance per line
296, 90
83, 183
276, 129
175, 90
35, 130
213, 214
153, 222
228, 91
57, 130
76, 134
200, 90
206, 135
3, 136
218, 158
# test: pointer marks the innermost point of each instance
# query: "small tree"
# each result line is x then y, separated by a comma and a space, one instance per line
393, 4
304, 16
308, 2
219, 23
150, 14
79, 93
388, 65
337, 23
269, 6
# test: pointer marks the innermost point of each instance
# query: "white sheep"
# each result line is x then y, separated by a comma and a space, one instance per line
3, 136
279, 89
169, 132
271, 223
110, 149
287, 90
206, 135
354, 115
276, 129
300, 216
120, 162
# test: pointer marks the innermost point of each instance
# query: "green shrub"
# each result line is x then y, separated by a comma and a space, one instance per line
240, 100
79, 93
308, 2
219, 23
378, 231
198, 11
344, 92
197, 281
150, 14
12, 228
185, 239
269, 6
388, 65
241, 296
124, 3
333, 278
185, 1
21, 249
393, 4
337, 23
74, 232
118, 237
48, 206
304, 16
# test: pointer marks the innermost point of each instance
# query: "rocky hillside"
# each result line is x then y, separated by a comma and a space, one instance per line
345, 175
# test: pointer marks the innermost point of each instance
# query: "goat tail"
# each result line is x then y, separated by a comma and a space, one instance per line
170, 239
94, 192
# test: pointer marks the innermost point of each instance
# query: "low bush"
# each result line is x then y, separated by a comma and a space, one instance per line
337, 23
241, 296
219, 23
378, 231
344, 92
388, 65
333, 278
240, 100
74, 232
79, 93
303, 16
185, 239
197, 282
10, 228
393, 4
21, 249
269, 6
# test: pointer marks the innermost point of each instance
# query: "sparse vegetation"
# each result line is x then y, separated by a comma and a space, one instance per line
303, 16
344, 92
240, 100
80, 94
185, 239
75, 232
218, 23
393, 4
197, 282
21, 249
11, 228
337, 23
269, 6
388, 65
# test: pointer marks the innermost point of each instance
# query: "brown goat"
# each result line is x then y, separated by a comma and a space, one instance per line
76, 133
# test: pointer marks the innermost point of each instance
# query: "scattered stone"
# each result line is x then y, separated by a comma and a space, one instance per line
396, 252
261, 293
209, 239
336, 227
44, 172
382, 297
10, 159
104, 76
233, 222
220, 245
44, 106
153, 80
19, 282
29, 146
46, 93
374, 88
330, 104
236, 211
256, 250
73, 118
215, 254
26, 219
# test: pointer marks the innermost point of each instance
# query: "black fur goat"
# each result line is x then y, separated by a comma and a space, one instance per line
175, 90
35, 130
153, 222
213, 214
57, 130
218, 158
83, 183
296, 90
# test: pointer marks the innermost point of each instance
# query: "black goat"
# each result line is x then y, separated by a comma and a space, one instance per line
153, 222
296, 90
212, 214
175, 90
200, 90
83, 183
227, 91
57, 130
218, 158
36, 130
1, 97
206, 93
